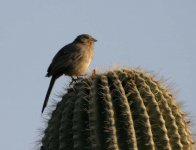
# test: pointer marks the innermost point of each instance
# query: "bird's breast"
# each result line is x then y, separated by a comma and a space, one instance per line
82, 65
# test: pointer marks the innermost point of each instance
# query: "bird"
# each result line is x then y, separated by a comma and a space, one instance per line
71, 60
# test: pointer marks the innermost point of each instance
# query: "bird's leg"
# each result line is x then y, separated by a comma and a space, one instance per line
73, 80
80, 77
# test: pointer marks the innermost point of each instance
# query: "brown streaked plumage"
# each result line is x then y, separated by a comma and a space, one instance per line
72, 60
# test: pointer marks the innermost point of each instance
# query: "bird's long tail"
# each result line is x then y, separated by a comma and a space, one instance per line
48, 92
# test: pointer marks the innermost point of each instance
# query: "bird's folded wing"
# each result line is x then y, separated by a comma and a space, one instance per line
65, 58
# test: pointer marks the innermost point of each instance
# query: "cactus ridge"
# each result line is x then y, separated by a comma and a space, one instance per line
118, 110
170, 121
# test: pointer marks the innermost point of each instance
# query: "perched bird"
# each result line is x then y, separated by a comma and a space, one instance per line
72, 60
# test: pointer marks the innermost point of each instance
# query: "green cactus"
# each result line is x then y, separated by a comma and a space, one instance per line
119, 110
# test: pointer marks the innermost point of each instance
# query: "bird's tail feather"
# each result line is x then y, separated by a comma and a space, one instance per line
48, 93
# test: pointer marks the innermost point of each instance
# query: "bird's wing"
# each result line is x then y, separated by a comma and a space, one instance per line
64, 58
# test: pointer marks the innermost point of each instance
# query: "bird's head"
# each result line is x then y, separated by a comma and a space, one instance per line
85, 38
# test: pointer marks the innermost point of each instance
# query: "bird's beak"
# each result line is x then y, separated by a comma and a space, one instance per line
94, 40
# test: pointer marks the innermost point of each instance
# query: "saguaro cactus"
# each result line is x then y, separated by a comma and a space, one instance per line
118, 110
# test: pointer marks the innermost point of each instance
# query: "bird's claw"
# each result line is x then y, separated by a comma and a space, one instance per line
75, 80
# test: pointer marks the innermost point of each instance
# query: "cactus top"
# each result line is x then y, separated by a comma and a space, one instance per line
124, 109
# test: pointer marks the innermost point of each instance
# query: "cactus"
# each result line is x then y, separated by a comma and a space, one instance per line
120, 110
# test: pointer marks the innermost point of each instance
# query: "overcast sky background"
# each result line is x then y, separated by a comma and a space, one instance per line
157, 35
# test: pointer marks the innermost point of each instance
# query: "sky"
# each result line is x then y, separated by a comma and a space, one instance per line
156, 35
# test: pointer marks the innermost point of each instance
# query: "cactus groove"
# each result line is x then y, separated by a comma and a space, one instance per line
125, 109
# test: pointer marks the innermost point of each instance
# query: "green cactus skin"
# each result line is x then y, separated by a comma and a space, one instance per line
119, 110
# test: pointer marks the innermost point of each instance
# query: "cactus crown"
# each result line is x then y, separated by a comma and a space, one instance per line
119, 110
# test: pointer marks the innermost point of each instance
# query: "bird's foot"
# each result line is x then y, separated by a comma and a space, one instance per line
75, 80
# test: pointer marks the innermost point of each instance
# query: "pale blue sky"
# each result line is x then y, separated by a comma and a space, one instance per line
157, 35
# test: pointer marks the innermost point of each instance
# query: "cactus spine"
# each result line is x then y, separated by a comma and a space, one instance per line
118, 110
